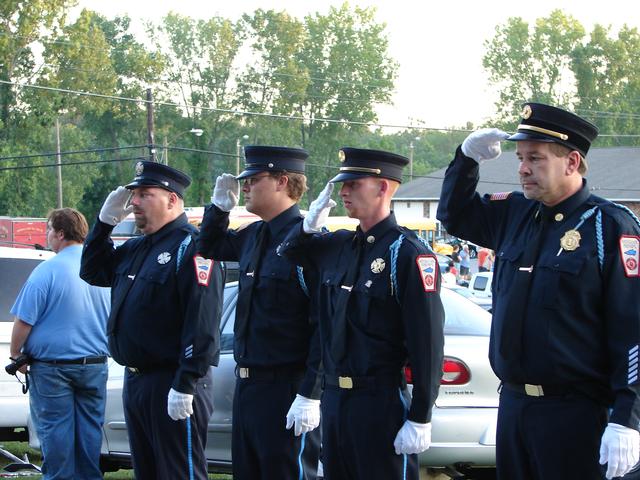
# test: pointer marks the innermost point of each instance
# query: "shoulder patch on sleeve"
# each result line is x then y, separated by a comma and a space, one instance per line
499, 196
203, 267
630, 254
428, 269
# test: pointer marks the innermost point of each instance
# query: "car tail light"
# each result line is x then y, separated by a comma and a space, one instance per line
454, 372
408, 376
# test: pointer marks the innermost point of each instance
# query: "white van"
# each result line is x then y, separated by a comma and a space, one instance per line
480, 284
16, 265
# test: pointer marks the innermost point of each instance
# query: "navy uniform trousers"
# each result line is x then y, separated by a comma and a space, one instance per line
166, 456
262, 448
550, 437
361, 424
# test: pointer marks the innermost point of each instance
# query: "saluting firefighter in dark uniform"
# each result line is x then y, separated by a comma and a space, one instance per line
278, 386
566, 300
166, 302
379, 309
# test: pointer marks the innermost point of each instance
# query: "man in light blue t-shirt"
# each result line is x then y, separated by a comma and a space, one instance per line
61, 325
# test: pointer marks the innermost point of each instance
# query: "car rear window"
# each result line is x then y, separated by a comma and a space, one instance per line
480, 283
13, 273
463, 317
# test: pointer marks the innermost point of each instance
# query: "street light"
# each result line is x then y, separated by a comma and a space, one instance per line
194, 131
239, 152
411, 147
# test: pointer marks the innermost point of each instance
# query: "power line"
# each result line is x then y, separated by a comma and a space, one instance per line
69, 152
258, 114
68, 164
235, 112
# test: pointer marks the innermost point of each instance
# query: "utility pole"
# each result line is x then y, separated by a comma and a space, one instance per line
237, 157
150, 140
58, 164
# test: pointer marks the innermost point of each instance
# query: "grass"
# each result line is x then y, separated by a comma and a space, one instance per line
20, 448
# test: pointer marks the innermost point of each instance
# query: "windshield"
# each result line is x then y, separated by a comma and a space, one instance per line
13, 273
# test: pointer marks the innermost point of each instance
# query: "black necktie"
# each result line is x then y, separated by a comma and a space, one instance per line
339, 333
243, 306
141, 254
511, 341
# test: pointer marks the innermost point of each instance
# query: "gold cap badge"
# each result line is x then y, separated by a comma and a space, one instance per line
526, 111
570, 240
341, 156
139, 168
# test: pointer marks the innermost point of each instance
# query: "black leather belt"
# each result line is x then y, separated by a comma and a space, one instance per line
77, 361
374, 381
532, 390
269, 374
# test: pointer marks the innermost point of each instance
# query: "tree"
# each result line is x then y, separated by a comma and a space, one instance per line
199, 56
21, 25
532, 64
608, 82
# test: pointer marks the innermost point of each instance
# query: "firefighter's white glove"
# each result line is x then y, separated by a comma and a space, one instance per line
413, 438
619, 448
319, 211
304, 414
115, 208
179, 405
484, 144
225, 193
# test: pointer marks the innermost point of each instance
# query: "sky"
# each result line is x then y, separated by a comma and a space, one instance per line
438, 44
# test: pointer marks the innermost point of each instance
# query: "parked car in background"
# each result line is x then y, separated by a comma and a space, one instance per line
480, 284
16, 265
464, 416
473, 248
482, 301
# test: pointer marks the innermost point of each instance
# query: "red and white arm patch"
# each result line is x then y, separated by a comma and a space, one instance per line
428, 269
499, 196
203, 267
630, 254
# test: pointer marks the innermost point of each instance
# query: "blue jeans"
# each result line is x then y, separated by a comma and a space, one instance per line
67, 406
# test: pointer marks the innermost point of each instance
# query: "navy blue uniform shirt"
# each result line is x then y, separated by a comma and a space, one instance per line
280, 325
162, 316
384, 332
582, 319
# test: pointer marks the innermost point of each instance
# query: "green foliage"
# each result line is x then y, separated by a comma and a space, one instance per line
530, 63
597, 75
268, 78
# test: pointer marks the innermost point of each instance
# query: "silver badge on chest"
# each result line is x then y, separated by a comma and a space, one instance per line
378, 265
164, 257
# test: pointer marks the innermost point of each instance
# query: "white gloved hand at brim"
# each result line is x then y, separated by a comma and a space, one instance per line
226, 192
319, 210
115, 208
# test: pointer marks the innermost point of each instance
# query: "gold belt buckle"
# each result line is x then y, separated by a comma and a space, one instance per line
533, 390
243, 372
345, 382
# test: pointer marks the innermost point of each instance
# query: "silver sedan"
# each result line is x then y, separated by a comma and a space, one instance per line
464, 418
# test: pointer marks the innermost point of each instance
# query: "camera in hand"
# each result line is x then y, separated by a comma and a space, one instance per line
16, 363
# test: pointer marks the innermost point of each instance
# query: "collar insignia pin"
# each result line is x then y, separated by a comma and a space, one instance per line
377, 265
164, 258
